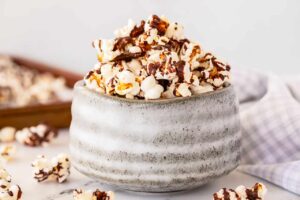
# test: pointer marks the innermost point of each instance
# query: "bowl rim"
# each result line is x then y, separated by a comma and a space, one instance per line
79, 86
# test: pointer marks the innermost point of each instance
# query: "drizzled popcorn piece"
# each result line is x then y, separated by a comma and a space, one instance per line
7, 152
155, 49
127, 84
183, 90
257, 192
8, 191
58, 168
79, 194
36, 135
5, 178
175, 31
61, 167
7, 134
21, 86
13, 192
151, 88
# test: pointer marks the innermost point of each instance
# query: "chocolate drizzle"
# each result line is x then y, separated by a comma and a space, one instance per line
176, 45
19, 193
152, 68
101, 195
122, 42
159, 24
180, 70
138, 30
126, 56
89, 74
164, 82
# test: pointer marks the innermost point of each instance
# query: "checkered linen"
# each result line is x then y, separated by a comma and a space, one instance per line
270, 126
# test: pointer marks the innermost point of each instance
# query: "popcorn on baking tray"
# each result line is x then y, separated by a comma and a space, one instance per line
257, 192
79, 194
153, 60
21, 86
58, 168
8, 191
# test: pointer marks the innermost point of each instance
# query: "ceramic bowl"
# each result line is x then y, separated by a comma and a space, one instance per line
156, 145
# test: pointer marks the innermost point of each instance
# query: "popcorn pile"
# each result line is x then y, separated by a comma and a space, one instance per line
154, 60
257, 192
80, 194
20, 86
8, 191
38, 135
58, 168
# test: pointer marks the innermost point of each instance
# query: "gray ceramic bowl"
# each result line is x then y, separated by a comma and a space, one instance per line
157, 145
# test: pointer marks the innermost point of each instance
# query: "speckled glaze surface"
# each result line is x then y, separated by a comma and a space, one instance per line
158, 145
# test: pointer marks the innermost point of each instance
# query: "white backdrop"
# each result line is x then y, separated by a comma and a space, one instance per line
254, 34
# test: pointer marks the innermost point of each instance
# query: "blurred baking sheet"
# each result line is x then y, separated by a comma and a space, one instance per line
57, 114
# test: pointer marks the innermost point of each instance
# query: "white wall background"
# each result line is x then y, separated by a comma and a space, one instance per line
263, 34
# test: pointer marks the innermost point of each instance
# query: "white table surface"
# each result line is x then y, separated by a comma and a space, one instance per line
21, 171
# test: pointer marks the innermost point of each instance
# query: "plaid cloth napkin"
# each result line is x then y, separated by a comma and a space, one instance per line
270, 125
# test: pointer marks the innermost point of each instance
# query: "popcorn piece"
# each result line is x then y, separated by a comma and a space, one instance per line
257, 192
151, 89
175, 31
58, 168
79, 194
7, 152
5, 178
8, 191
7, 134
61, 168
127, 85
12, 192
183, 90
36, 135
159, 24
126, 30
156, 48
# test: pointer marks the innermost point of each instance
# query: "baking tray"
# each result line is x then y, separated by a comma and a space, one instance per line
57, 114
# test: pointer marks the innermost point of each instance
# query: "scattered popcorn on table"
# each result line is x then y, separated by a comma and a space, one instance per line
39, 135
7, 152
80, 194
153, 60
5, 178
257, 192
7, 134
8, 191
21, 86
58, 168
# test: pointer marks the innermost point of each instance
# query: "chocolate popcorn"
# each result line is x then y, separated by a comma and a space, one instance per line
8, 191
154, 60
257, 192
80, 194
21, 86
39, 135
7, 134
58, 168
7, 152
